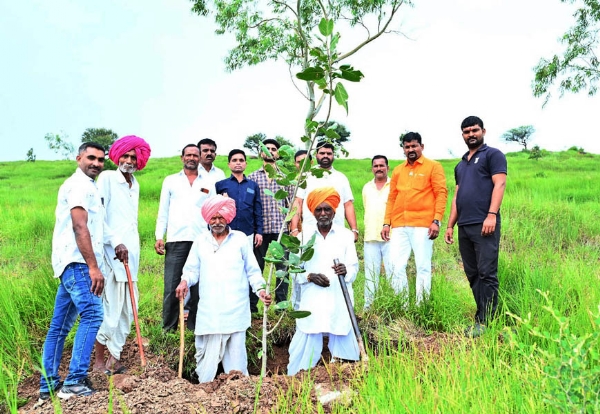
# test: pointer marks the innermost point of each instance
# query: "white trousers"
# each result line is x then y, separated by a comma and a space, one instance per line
375, 253
214, 348
403, 240
305, 349
118, 314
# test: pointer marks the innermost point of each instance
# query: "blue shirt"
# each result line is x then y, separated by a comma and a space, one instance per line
248, 207
475, 185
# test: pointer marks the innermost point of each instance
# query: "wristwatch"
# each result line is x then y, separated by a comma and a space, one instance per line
437, 222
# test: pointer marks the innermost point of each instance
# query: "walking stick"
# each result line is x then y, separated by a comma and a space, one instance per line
181, 337
135, 314
361, 345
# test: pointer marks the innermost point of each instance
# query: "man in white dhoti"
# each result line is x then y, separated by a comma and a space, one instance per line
320, 286
222, 263
120, 193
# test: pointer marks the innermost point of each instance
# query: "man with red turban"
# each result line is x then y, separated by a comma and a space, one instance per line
222, 264
321, 293
120, 192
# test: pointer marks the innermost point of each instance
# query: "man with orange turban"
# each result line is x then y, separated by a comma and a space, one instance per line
321, 293
222, 264
120, 192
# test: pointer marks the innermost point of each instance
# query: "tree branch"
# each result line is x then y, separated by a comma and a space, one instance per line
370, 39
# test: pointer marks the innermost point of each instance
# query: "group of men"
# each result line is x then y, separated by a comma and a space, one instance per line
218, 229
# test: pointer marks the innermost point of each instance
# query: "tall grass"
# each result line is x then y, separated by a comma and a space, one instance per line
550, 241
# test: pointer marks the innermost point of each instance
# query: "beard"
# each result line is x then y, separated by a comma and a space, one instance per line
218, 228
127, 168
476, 144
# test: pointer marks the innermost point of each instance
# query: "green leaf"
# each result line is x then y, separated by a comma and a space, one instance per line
311, 74
260, 354
310, 243
270, 259
332, 134
281, 305
290, 241
326, 26
276, 250
305, 138
268, 192
307, 255
296, 270
281, 194
350, 74
299, 314
341, 96
293, 259
334, 41
280, 274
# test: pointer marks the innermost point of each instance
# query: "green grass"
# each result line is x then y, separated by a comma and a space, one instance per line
550, 242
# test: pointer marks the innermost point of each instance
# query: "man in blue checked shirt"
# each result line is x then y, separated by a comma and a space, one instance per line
273, 217
246, 193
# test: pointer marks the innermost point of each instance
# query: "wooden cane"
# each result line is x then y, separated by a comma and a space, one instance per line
361, 345
135, 314
181, 337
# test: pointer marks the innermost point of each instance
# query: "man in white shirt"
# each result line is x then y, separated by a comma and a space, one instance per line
330, 178
181, 198
208, 153
77, 260
222, 264
120, 192
374, 195
321, 291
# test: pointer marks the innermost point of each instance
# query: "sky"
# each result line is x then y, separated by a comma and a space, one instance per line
156, 70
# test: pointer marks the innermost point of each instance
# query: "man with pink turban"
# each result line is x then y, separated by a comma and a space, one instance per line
321, 293
120, 193
221, 262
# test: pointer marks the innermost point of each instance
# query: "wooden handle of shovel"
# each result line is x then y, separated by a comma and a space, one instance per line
181, 337
135, 314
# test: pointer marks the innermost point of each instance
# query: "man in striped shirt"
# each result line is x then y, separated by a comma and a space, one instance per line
273, 217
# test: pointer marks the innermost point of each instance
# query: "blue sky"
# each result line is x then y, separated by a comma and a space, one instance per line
155, 70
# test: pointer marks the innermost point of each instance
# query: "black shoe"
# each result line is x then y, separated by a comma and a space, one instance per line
44, 396
81, 389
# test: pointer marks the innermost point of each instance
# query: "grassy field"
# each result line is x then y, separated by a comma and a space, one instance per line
541, 355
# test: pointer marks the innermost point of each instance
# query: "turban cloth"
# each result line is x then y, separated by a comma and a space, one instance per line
322, 195
218, 204
128, 143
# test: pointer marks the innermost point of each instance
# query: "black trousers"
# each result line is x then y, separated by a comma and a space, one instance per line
281, 290
176, 254
480, 260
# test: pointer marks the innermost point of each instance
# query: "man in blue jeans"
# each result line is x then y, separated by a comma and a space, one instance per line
77, 249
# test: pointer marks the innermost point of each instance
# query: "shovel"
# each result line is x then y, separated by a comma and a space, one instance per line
181, 337
135, 314
361, 345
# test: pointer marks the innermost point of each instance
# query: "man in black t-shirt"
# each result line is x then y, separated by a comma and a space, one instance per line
480, 182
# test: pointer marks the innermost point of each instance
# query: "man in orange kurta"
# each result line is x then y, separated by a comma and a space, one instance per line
415, 208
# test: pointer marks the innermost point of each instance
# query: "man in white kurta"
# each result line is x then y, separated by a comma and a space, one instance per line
222, 264
321, 291
120, 192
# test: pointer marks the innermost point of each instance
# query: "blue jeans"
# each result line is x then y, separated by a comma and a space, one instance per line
72, 298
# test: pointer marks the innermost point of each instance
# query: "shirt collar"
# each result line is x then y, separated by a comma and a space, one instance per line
81, 174
419, 160
484, 147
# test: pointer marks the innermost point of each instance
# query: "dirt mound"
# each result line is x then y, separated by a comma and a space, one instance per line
156, 388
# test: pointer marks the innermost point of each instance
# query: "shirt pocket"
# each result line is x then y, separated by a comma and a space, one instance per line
420, 181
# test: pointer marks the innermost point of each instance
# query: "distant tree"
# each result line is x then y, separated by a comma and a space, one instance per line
102, 136
252, 143
578, 68
343, 135
536, 153
521, 135
60, 144
30, 155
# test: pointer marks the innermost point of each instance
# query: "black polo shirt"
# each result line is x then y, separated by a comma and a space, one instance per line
475, 186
